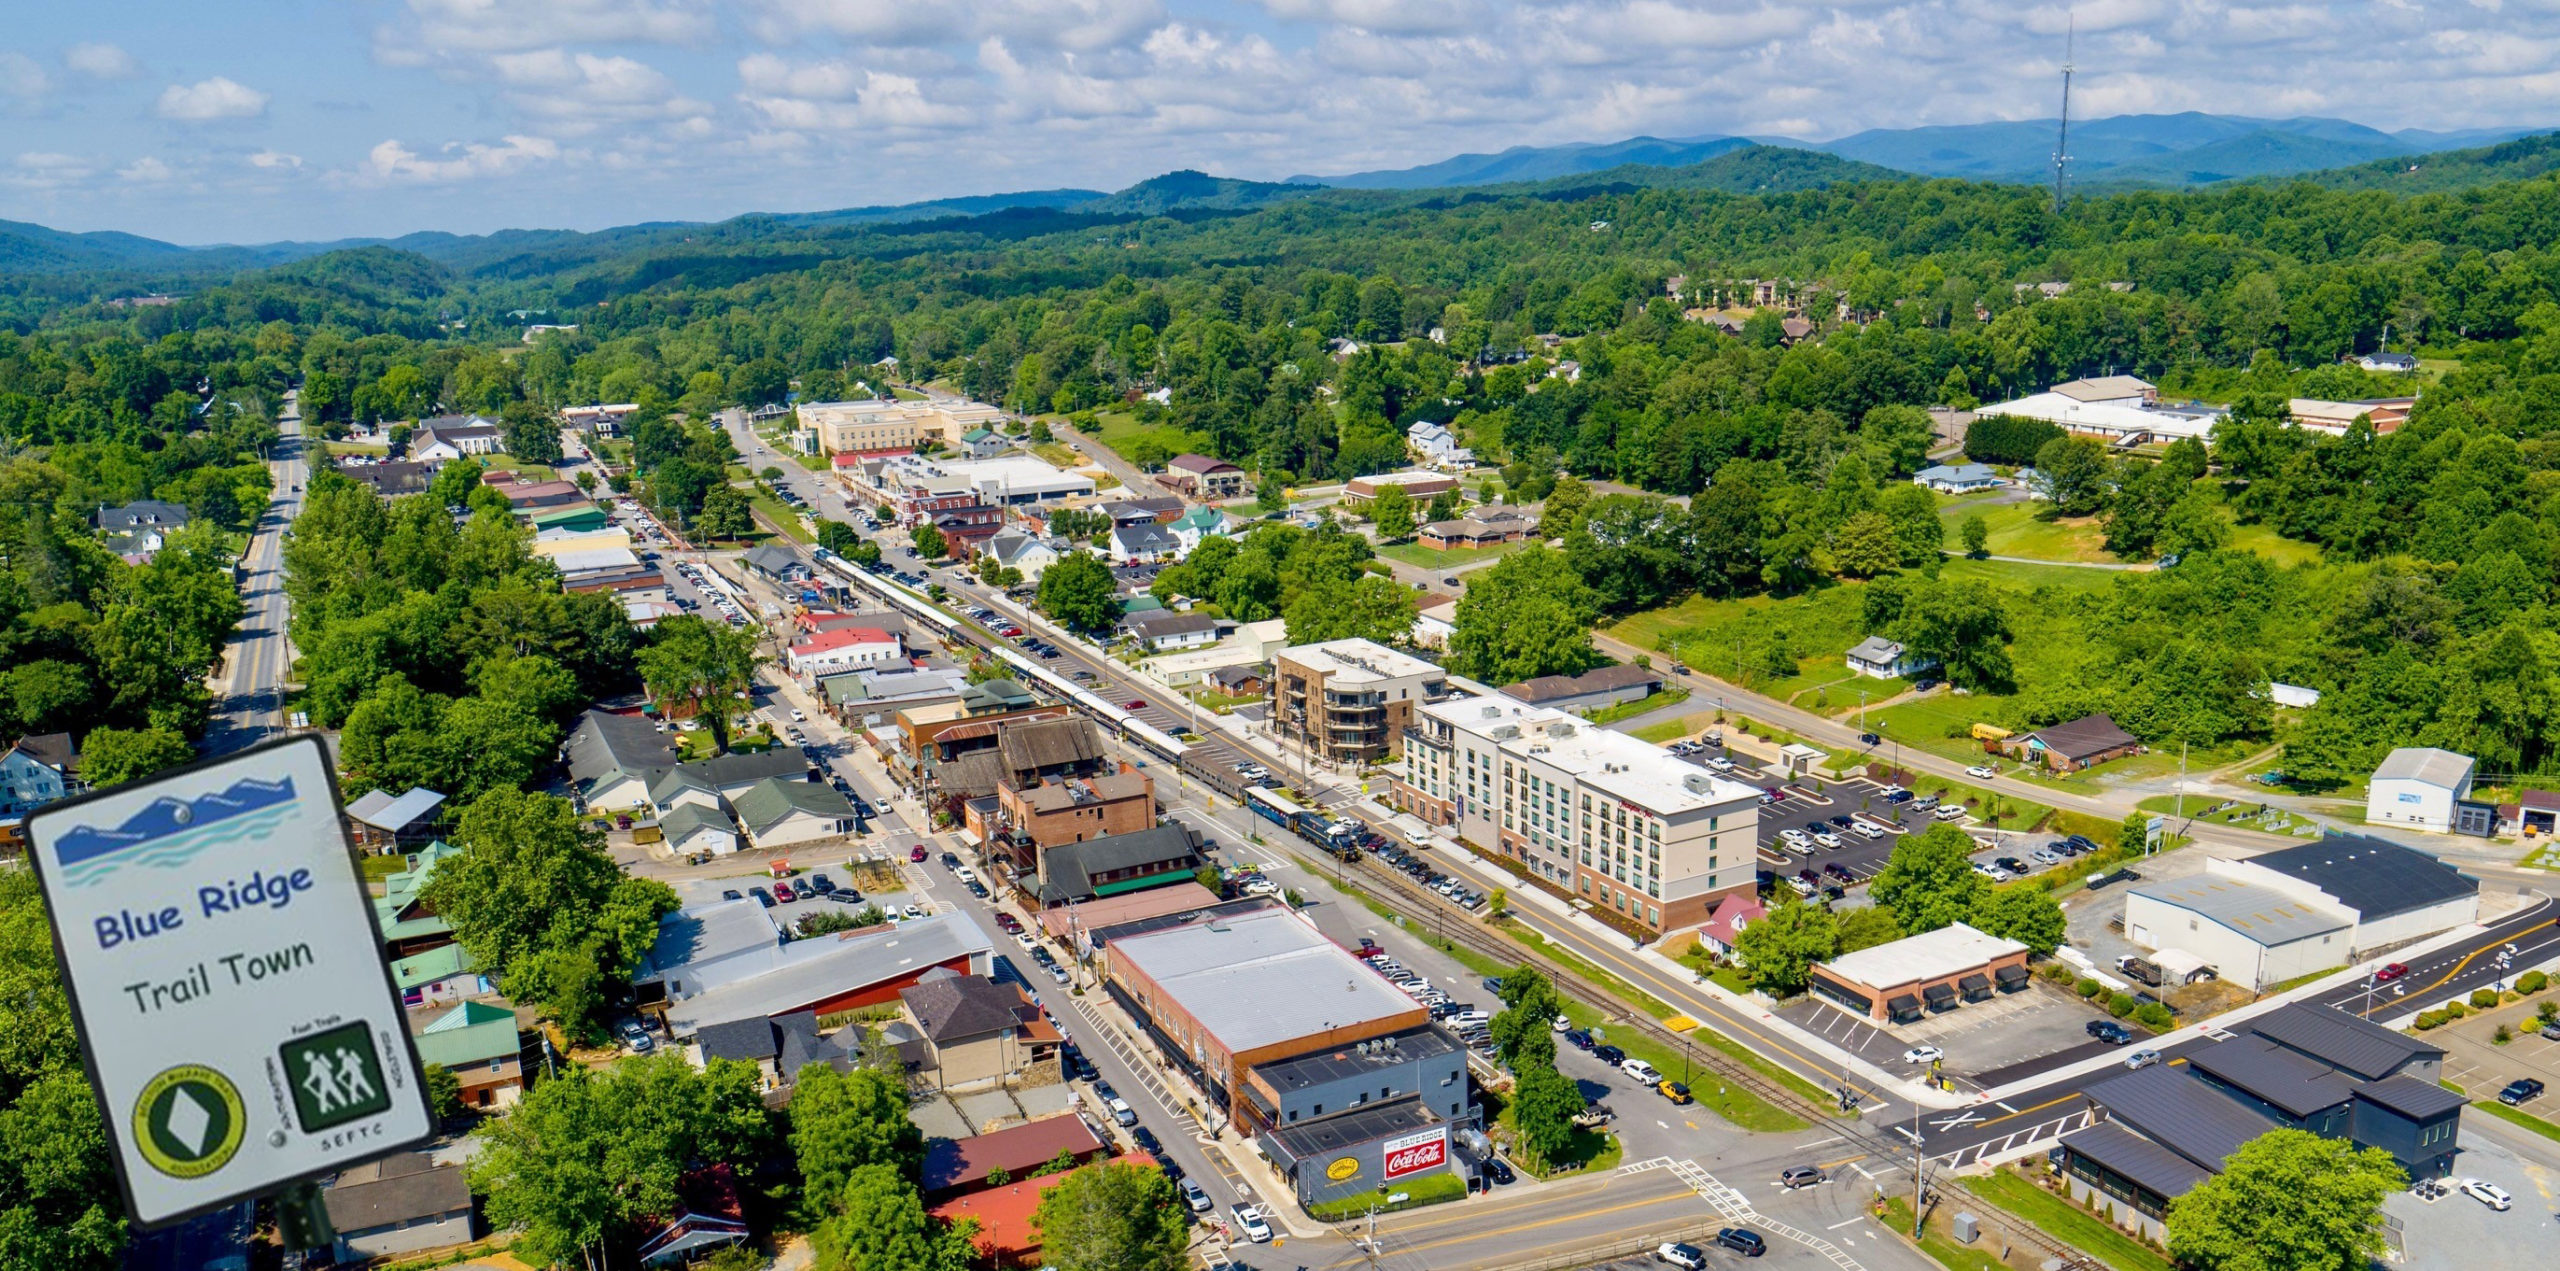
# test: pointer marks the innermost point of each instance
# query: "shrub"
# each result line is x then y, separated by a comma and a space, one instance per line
2087, 987
2120, 1005
2483, 999
2532, 982
2455, 1010
2430, 1019
2546, 1011
2058, 972
2154, 1016
2503, 1035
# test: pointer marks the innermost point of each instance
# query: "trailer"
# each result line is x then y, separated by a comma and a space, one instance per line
1339, 837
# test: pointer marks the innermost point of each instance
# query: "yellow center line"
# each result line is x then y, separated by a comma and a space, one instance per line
2026, 1111
2497, 942
1682, 1195
1846, 1160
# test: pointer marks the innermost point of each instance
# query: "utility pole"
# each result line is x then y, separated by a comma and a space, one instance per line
1919, 1171
2062, 136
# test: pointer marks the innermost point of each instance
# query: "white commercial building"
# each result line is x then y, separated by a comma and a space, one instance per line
2114, 407
2419, 787
843, 649
2288, 913
1623, 824
1013, 479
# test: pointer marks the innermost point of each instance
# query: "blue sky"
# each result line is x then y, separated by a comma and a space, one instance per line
254, 120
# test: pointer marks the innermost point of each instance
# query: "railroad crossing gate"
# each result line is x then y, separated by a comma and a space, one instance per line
239, 1023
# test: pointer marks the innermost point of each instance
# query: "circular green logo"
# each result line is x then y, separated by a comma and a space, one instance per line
189, 1121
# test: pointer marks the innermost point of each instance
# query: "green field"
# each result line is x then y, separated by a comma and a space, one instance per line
2017, 529
1420, 557
2066, 1222
1118, 429
1675, 729
1644, 706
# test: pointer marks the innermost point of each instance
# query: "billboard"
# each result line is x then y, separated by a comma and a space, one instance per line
1417, 1153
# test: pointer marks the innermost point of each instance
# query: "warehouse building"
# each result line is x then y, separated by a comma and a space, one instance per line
2291, 912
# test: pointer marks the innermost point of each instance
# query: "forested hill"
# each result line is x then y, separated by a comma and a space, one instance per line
2521, 159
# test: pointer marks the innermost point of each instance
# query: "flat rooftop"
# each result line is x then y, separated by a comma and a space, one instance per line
2263, 914
1259, 978
1619, 765
1350, 663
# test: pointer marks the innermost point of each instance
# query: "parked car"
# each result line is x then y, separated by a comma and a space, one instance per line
2521, 1090
732, 893
637, 1037
821, 884
1609, 1054
1640, 1070
1249, 1220
1499, 1172
2487, 1193
783, 892
2110, 1032
1121, 1112
1676, 1092
1195, 1197
763, 897
1680, 1255
1923, 1055
1742, 1240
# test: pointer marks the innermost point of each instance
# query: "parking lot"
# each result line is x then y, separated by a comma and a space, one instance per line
2457, 1233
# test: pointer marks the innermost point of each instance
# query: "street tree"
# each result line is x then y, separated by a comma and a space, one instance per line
2025, 913
1929, 881
1779, 949
1080, 592
842, 1121
58, 1205
1543, 1105
1113, 1217
113, 756
2288, 1200
1527, 616
880, 1224
726, 513
702, 664
1391, 511
929, 542
533, 897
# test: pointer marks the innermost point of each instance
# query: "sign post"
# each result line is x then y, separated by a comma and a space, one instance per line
219, 949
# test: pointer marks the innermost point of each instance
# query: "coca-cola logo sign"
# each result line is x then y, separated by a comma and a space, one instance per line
1412, 1154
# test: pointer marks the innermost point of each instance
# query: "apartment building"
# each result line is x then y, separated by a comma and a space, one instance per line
1623, 824
840, 427
1349, 700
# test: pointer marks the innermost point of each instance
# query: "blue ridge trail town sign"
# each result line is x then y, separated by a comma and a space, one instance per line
219, 947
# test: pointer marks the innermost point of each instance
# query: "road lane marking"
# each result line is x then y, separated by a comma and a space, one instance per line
1682, 1195
1850, 1223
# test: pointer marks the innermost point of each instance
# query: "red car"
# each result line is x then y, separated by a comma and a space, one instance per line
1137, 704
2390, 971
917, 855
783, 893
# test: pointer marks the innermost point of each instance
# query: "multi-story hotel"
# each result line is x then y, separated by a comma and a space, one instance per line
1615, 821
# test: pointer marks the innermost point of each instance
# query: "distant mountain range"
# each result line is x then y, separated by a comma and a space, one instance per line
2124, 151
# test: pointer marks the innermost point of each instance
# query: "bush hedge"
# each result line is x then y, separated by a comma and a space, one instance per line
2483, 999
2087, 987
2532, 982
2120, 1005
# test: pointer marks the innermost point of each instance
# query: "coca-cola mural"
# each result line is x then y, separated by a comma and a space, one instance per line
1418, 1153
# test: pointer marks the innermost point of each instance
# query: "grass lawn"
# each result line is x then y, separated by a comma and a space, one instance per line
353, 448
906, 394
503, 462
1675, 729
1935, 1243
2244, 816
2066, 1222
2263, 540
1642, 706
2018, 529
1420, 557
777, 513
1592, 1151
1430, 1189
377, 868
1119, 429
1056, 455
2525, 1120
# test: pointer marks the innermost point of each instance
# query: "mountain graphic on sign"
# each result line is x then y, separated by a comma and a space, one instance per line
167, 818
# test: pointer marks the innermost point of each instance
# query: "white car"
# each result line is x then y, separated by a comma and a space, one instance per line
1949, 812
1561, 1024
1866, 829
1794, 837
964, 874
1720, 764
1121, 1112
1923, 1055
915, 911
2143, 1058
1826, 838
1641, 1071
1980, 773
1681, 1255
1992, 872
2487, 1193
1249, 1220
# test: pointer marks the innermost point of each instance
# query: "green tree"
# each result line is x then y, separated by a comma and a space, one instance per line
533, 896
1079, 592
928, 541
880, 1224
1868, 927
842, 1121
2025, 913
1865, 546
1562, 513
58, 1205
1963, 628
1929, 881
532, 434
1544, 1103
1391, 511
2075, 473
2288, 1200
837, 537
1370, 607
1529, 615
1113, 1217
1271, 494
726, 513
1779, 949
113, 756
444, 1092
700, 664
589, 1154
1975, 533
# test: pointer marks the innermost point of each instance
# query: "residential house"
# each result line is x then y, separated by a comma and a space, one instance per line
1167, 631
1723, 928
1004, 1220
1878, 658
694, 830
1239, 681
1202, 477
138, 530
708, 1216
1957, 479
407, 922
446, 973
444, 438
402, 1203
390, 479
1435, 446
778, 1046
482, 1047
604, 419
984, 443
613, 759
977, 1030
1146, 541
385, 821
2080, 743
37, 769
779, 813
1435, 621
953, 1167
1024, 553
1194, 526
2389, 363
1129, 512
843, 649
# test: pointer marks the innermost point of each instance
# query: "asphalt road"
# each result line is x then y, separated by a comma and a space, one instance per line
249, 708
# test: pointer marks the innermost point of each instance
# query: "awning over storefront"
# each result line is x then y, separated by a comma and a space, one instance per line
1973, 984
2011, 976
1938, 993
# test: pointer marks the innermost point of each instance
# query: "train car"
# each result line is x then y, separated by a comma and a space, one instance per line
1275, 807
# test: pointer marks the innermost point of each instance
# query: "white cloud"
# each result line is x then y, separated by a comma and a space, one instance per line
458, 161
216, 98
146, 168
1083, 25
275, 160
46, 171
20, 76
504, 26
1384, 15
583, 91
101, 61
